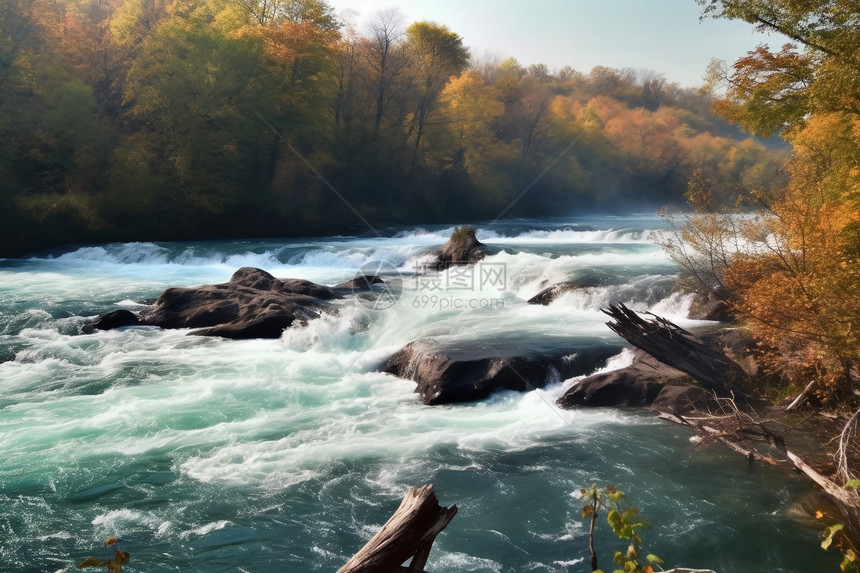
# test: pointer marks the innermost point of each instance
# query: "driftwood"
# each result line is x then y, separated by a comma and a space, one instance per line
803, 396
410, 532
848, 503
737, 435
741, 432
676, 347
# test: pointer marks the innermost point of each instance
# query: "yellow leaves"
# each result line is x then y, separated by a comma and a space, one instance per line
115, 564
587, 510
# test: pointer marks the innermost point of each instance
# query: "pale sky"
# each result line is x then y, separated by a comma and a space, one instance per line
664, 36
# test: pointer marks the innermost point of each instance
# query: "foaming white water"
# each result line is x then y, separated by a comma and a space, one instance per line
207, 453
566, 236
141, 390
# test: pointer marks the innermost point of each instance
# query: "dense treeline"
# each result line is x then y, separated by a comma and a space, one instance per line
157, 119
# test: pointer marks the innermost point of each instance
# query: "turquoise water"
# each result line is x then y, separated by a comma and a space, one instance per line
287, 455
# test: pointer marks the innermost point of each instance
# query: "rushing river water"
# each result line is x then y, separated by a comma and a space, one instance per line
205, 454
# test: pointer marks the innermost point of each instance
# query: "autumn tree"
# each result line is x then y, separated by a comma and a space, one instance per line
437, 54
267, 12
196, 82
468, 143
793, 262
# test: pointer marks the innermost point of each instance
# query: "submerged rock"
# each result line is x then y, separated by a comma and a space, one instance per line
446, 376
252, 304
549, 294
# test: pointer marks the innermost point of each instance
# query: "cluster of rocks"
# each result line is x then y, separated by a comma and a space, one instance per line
252, 304
255, 304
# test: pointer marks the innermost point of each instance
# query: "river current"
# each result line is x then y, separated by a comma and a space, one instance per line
205, 454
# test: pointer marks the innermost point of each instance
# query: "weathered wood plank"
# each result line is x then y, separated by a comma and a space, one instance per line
409, 533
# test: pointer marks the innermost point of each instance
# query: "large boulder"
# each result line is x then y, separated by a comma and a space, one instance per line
252, 304
463, 248
451, 375
637, 385
115, 319
251, 297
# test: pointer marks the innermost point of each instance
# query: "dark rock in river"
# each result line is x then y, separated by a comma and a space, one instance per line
252, 304
636, 385
446, 376
363, 282
115, 319
549, 294
463, 248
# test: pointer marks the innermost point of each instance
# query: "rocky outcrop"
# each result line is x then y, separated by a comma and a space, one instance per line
446, 376
252, 304
463, 248
637, 385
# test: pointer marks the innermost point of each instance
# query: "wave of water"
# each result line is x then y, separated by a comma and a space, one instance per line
213, 455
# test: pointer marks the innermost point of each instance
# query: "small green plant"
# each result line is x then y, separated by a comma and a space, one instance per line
462, 233
625, 522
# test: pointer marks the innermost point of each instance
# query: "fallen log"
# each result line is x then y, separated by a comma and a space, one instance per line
847, 502
735, 438
409, 532
676, 347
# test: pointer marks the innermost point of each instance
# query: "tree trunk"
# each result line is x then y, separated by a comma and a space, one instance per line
676, 347
410, 532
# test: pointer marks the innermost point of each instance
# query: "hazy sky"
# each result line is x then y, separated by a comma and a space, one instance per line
660, 35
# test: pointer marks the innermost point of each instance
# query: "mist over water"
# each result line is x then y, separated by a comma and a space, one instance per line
205, 454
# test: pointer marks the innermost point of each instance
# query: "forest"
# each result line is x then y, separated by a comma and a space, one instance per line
125, 120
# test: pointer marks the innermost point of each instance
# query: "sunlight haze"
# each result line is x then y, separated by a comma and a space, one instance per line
665, 36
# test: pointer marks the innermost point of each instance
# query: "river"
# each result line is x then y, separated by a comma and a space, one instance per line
205, 454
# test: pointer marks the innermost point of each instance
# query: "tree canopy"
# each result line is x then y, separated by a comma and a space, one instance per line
181, 119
